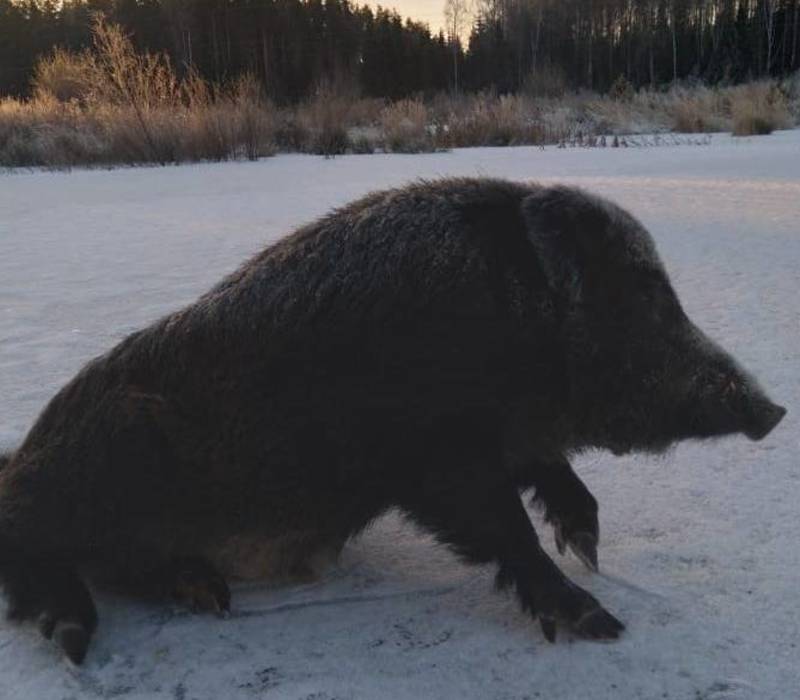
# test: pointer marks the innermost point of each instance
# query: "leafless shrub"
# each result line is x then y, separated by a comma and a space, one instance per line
621, 90
46, 133
291, 135
790, 87
65, 76
491, 121
324, 118
759, 108
697, 110
406, 127
365, 111
253, 119
144, 83
362, 144
119, 106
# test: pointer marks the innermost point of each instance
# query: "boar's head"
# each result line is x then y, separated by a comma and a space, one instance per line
641, 375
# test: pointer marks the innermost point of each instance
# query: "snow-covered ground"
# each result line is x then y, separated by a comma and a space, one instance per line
700, 549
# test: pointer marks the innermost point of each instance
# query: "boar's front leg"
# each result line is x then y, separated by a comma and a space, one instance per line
568, 506
462, 495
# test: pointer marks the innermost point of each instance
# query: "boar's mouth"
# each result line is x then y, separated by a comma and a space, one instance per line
764, 420
749, 412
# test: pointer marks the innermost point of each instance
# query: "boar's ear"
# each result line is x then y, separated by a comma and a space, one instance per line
565, 227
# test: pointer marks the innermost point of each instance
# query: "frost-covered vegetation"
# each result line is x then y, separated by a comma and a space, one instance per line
115, 105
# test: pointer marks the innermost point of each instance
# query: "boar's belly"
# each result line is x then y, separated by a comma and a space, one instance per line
291, 556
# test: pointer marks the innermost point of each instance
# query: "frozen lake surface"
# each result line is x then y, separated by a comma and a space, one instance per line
700, 549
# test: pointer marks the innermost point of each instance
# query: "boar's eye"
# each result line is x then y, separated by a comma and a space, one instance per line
648, 292
660, 301
648, 297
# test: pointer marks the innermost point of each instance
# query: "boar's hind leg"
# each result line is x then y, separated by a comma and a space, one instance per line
569, 507
54, 595
462, 497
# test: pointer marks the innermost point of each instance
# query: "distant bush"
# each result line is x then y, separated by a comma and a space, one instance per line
365, 111
621, 90
48, 133
65, 76
406, 127
362, 145
233, 123
758, 108
697, 110
323, 119
115, 105
790, 88
686, 118
487, 120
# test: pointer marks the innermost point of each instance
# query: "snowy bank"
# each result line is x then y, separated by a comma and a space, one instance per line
700, 550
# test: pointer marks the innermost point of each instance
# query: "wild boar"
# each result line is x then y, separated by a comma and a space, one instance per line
439, 348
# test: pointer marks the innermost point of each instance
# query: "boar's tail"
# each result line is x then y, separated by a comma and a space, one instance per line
49, 591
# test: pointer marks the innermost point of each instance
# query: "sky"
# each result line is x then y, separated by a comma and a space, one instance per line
429, 11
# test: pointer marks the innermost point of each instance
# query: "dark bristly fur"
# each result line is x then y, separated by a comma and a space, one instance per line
439, 348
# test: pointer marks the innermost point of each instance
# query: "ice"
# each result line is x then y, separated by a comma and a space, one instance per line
700, 550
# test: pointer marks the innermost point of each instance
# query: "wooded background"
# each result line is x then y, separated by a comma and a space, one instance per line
536, 46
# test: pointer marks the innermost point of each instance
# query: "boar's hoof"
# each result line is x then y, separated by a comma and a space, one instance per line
73, 638
71, 635
57, 599
198, 585
582, 544
581, 613
548, 628
599, 624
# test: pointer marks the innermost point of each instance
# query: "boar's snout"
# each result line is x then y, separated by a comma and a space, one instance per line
725, 398
753, 413
739, 405
765, 415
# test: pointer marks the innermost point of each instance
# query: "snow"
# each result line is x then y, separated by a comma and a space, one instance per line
700, 550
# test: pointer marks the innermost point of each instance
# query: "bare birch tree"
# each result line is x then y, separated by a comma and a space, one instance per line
768, 9
457, 15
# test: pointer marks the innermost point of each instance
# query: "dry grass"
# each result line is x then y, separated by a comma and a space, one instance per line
65, 76
751, 108
117, 106
406, 127
323, 121
47, 133
486, 120
790, 88
365, 111
698, 110
114, 105
759, 108
225, 124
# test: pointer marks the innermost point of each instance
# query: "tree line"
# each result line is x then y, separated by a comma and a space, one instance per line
292, 46
296, 46
590, 43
